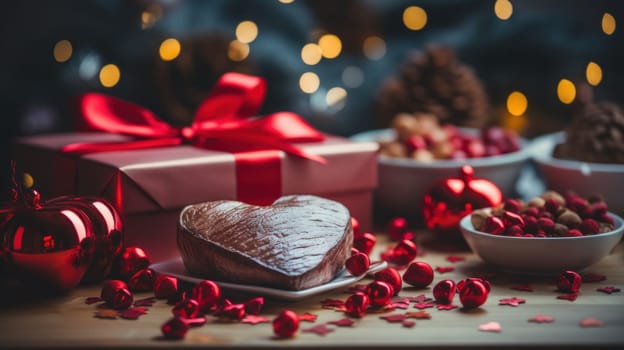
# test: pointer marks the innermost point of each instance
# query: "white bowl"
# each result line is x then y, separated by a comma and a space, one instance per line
403, 182
584, 178
547, 255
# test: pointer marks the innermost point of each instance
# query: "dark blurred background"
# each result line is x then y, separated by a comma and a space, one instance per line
53, 50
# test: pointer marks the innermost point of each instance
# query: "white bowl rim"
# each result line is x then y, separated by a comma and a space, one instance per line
466, 226
388, 134
549, 141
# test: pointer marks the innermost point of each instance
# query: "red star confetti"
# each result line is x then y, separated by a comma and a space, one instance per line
419, 315
319, 329
522, 287
455, 258
145, 301
541, 318
421, 306
332, 304
400, 299
255, 319
444, 269
490, 327
420, 299
591, 322
445, 307
307, 317
106, 313
343, 322
394, 318
513, 301
92, 300
569, 297
398, 302
408, 324
608, 290
133, 313
593, 277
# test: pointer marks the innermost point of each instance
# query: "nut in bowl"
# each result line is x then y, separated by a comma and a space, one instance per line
500, 237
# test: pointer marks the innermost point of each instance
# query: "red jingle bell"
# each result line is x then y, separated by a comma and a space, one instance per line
473, 292
364, 242
444, 291
391, 276
207, 293
175, 328
356, 304
129, 262
286, 324
418, 274
357, 264
453, 198
379, 293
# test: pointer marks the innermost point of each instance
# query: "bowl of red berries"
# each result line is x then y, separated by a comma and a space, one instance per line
547, 234
417, 151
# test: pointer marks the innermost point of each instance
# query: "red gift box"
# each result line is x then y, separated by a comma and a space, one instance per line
150, 186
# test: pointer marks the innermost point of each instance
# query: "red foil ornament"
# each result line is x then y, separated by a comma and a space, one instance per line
364, 242
187, 308
379, 293
418, 274
444, 291
357, 264
208, 294
175, 328
130, 261
569, 282
401, 254
286, 324
473, 292
142, 281
391, 276
116, 294
356, 305
165, 286
453, 198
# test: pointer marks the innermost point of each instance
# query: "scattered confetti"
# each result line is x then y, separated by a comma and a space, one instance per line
426, 305
541, 318
106, 313
332, 304
569, 297
408, 324
445, 307
593, 277
145, 302
133, 313
420, 299
319, 329
513, 301
92, 300
419, 315
490, 327
307, 317
522, 287
399, 305
608, 290
373, 309
444, 269
357, 288
455, 258
591, 322
343, 322
255, 319
394, 318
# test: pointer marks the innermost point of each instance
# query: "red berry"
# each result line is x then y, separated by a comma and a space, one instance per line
358, 264
589, 227
356, 304
598, 209
552, 205
416, 142
573, 233
365, 242
546, 224
511, 219
207, 293
379, 293
286, 324
493, 225
514, 230
531, 211
569, 282
391, 276
444, 291
418, 274
475, 149
530, 224
175, 328
512, 205
165, 286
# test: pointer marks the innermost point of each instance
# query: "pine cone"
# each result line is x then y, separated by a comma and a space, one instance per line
435, 82
596, 135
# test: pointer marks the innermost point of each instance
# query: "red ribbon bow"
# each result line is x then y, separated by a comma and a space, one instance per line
224, 121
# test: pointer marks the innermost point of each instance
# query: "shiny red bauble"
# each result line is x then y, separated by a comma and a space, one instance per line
187, 308
473, 292
175, 328
286, 324
391, 276
116, 294
401, 253
379, 293
357, 264
165, 286
418, 274
364, 242
453, 198
444, 291
569, 282
207, 293
357, 304
131, 260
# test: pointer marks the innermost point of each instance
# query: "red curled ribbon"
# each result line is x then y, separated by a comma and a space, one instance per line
224, 121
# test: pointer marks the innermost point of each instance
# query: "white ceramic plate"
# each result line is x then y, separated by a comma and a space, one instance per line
175, 268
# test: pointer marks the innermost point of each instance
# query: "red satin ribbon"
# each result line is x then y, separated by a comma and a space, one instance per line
224, 121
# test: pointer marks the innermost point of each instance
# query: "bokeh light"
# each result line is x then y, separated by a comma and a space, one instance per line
608, 23
170, 49
352, 76
238, 51
566, 91
311, 54
110, 75
28, 180
330, 45
286, 1
517, 103
309, 82
593, 73
415, 18
336, 97
503, 9
374, 47
63, 51
246, 32
150, 16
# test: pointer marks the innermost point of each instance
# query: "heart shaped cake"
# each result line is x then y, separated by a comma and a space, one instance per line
298, 242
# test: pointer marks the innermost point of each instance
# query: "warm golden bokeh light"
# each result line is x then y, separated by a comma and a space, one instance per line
246, 32
374, 47
28, 180
238, 51
150, 15
503, 9
286, 1
330, 45
335, 96
517, 103
309, 82
170, 49
415, 18
311, 54
63, 51
593, 73
109, 75
608, 23
566, 91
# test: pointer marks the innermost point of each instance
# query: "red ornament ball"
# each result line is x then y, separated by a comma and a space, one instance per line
397, 227
569, 282
165, 286
473, 292
418, 274
379, 293
391, 276
357, 304
444, 291
286, 324
365, 242
131, 260
187, 308
401, 254
142, 281
116, 294
207, 293
357, 264
175, 328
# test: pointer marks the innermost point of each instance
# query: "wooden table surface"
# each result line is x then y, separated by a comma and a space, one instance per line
67, 321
